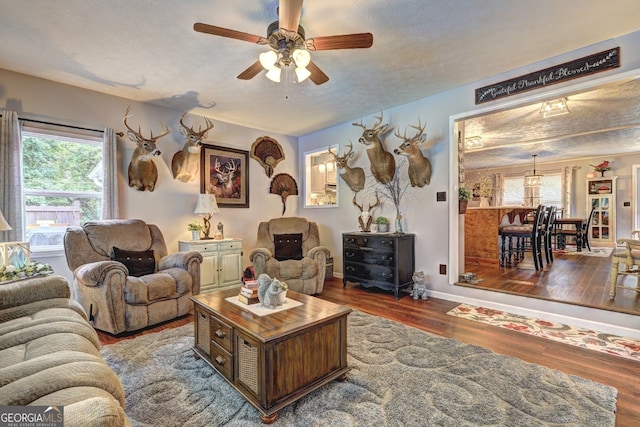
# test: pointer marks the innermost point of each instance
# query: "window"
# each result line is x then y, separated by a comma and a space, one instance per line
549, 194
62, 184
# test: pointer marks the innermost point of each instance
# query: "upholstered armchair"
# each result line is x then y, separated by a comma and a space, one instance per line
124, 277
289, 250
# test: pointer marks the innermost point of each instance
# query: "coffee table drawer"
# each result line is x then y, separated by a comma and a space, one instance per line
222, 360
221, 334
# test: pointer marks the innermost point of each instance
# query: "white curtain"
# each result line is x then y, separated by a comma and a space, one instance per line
498, 191
567, 184
11, 198
110, 177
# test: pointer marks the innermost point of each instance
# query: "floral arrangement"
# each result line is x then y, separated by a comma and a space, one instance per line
31, 268
464, 194
382, 220
194, 226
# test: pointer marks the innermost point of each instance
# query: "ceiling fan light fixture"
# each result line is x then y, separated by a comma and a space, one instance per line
274, 74
268, 59
301, 57
557, 107
302, 74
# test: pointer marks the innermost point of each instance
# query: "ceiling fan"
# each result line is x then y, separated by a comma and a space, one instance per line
286, 38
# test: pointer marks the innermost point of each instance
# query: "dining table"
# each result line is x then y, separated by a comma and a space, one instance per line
578, 223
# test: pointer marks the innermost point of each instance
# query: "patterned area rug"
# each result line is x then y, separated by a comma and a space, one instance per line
400, 377
597, 252
585, 338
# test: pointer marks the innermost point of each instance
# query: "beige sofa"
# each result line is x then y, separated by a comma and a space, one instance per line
117, 299
50, 355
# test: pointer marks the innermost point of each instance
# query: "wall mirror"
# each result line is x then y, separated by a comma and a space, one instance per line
320, 179
602, 123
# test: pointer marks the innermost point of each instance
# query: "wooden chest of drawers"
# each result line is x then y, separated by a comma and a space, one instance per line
382, 260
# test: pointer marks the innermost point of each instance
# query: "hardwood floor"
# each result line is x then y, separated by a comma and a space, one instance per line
431, 316
572, 279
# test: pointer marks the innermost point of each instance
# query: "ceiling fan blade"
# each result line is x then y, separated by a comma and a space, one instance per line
225, 32
346, 41
317, 75
251, 72
289, 13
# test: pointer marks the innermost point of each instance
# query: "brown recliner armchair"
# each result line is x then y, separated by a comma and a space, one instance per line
289, 250
151, 288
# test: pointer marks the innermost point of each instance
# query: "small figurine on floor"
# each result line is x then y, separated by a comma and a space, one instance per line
271, 292
419, 288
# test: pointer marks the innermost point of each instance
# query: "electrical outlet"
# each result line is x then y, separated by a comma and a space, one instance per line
443, 268
441, 196
627, 204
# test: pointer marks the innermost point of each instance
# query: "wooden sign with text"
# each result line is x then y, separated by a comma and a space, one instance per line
591, 64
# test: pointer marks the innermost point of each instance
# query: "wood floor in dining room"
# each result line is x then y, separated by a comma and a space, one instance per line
571, 278
431, 317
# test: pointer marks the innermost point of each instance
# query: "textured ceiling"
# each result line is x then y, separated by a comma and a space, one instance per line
147, 50
602, 122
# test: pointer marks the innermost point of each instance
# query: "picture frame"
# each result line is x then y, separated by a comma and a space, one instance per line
224, 172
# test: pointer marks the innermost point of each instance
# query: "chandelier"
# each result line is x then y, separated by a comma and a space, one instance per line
534, 179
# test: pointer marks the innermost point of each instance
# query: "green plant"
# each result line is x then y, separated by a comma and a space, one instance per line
194, 226
382, 220
464, 194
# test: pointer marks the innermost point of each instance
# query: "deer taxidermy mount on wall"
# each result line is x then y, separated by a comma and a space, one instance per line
353, 176
419, 166
143, 172
186, 162
383, 164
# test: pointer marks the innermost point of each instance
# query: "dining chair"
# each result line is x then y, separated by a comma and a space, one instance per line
547, 230
516, 240
625, 262
563, 233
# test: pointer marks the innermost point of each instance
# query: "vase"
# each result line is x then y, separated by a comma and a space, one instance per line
462, 206
383, 228
399, 227
195, 235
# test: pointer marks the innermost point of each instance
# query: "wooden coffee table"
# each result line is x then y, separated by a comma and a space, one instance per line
276, 359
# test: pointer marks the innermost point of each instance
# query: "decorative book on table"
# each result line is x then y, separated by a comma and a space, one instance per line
248, 300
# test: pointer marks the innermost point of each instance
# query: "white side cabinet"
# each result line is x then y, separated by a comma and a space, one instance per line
221, 262
601, 196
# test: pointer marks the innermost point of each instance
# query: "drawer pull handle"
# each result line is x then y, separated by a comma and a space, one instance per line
220, 360
351, 240
220, 334
349, 254
349, 268
387, 275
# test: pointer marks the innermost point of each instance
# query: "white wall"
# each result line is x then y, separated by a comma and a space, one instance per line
436, 224
172, 203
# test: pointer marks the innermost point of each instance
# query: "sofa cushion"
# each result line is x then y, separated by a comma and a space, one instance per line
287, 246
139, 263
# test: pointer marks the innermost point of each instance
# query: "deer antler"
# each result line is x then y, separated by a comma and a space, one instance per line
356, 203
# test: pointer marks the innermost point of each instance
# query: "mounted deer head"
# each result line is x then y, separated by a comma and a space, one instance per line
365, 219
186, 162
383, 164
143, 173
354, 177
419, 165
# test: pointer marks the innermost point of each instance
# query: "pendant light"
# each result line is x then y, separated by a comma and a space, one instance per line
534, 179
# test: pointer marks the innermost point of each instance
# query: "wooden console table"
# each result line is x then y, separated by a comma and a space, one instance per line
276, 359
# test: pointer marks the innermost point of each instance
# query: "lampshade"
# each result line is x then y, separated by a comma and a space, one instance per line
302, 74
556, 107
268, 59
206, 205
301, 57
322, 168
4, 225
274, 74
533, 179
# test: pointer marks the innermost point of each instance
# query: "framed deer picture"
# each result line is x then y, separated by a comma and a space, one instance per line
225, 173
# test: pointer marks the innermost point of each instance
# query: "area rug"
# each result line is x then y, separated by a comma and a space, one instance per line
595, 252
400, 376
586, 338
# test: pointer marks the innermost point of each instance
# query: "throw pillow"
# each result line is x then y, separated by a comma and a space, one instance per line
287, 246
138, 263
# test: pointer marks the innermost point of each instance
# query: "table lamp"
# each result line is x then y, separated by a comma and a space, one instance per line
206, 206
12, 253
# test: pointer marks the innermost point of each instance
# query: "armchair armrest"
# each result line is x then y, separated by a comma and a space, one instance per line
179, 260
259, 258
314, 252
97, 273
189, 261
34, 289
